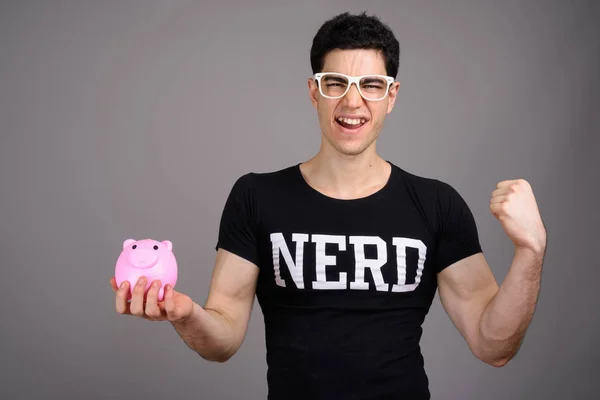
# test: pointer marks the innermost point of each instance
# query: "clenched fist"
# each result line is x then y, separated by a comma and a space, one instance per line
514, 205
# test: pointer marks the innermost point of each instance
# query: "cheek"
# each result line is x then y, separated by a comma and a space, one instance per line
325, 110
379, 112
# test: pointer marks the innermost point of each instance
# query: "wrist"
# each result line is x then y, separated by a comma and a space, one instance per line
537, 247
534, 246
534, 252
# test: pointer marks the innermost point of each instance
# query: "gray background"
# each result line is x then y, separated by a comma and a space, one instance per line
133, 119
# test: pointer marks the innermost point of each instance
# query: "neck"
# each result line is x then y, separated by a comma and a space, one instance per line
346, 176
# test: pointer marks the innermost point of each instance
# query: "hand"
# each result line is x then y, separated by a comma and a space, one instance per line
176, 307
514, 205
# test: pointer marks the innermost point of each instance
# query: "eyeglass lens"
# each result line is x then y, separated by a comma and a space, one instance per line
371, 87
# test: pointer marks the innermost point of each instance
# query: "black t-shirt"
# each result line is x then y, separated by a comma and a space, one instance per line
345, 285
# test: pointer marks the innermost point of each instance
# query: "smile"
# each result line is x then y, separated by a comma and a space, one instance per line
351, 123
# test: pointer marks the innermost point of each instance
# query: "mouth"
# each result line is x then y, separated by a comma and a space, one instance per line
351, 123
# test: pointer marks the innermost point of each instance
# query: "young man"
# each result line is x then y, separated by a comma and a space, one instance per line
346, 251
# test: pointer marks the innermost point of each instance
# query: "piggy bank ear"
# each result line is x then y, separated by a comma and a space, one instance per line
168, 244
127, 243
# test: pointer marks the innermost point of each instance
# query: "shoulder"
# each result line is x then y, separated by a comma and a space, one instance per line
264, 181
438, 201
427, 189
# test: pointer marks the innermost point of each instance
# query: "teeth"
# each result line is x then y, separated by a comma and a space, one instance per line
351, 121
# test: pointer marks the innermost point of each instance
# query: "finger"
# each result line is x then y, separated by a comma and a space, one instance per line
507, 183
121, 298
497, 210
169, 302
152, 309
499, 199
113, 284
501, 191
137, 300
505, 190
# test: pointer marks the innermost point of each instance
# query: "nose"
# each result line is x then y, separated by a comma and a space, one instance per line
353, 99
143, 258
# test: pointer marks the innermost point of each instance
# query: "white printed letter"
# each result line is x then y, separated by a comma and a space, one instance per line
401, 245
295, 268
322, 260
363, 263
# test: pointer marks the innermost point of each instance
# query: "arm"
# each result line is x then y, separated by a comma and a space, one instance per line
217, 330
493, 320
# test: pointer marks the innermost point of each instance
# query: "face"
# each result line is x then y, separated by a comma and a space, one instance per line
352, 140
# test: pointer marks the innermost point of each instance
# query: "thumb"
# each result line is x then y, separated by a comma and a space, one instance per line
169, 302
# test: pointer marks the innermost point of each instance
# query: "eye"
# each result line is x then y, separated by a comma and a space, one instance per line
155, 247
134, 246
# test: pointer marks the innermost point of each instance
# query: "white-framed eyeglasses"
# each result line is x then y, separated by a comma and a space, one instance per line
333, 85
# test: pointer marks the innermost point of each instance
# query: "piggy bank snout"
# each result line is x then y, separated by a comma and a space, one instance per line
143, 258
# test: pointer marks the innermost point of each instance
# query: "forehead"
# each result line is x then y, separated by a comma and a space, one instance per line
355, 62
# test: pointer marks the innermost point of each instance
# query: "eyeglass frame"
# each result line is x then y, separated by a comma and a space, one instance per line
356, 80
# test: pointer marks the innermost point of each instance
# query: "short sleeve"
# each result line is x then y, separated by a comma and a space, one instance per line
458, 236
238, 225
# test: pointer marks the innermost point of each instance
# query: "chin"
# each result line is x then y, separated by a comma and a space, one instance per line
352, 150
351, 147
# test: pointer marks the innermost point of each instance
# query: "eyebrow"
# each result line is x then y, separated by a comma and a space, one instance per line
370, 80
335, 78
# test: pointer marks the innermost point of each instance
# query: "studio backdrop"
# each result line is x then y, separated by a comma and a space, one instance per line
133, 119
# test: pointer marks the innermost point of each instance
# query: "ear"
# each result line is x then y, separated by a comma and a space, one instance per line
392, 96
313, 91
128, 243
168, 244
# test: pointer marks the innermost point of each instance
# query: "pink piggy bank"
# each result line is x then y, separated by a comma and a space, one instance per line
150, 258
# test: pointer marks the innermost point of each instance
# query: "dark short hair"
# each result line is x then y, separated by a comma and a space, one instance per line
346, 31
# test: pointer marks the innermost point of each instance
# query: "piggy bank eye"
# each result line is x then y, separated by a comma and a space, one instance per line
155, 247
134, 246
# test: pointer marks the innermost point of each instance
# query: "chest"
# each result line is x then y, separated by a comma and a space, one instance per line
369, 249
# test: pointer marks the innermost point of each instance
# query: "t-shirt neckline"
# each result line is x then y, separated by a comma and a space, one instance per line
373, 196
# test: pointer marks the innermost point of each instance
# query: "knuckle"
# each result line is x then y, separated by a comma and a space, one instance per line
137, 310
141, 281
171, 310
139, 289
522, 184
154, 288
153, 312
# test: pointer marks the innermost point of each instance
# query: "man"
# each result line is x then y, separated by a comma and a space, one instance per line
346, 251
